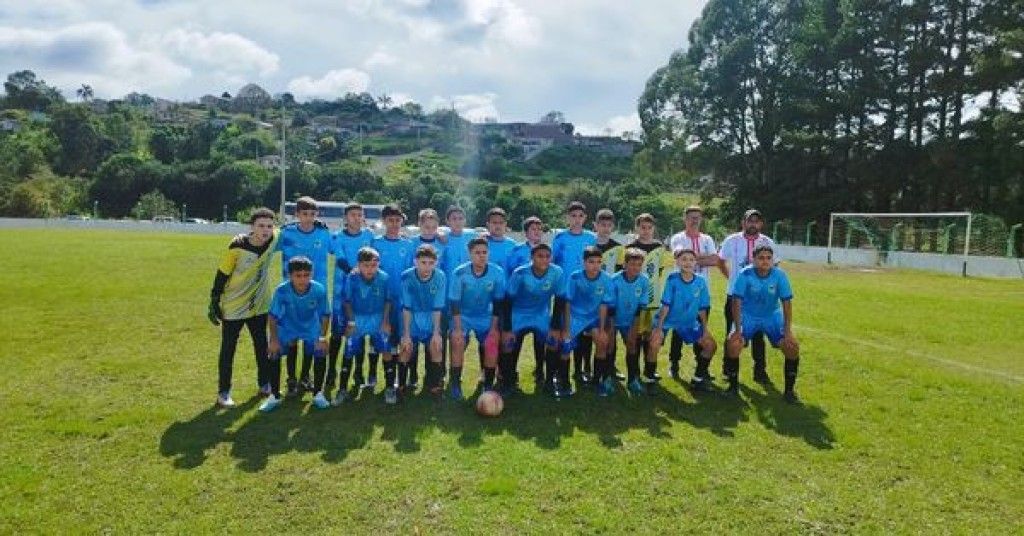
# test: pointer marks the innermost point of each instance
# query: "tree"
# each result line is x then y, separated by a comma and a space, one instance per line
553, 118
84, 93
82, 143
27, 92
153, 204
121, 180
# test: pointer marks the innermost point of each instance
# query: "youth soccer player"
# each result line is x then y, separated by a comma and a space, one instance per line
476, 295
530, 292
738, 251
589, 294
241, 297
684, 309
657, 265
533, 230
567, 252
499, 246
707, 256
457, 246
632, 294
308, 237
345, 246
368, 303
396, 256
428, 223
423, 298
299, 312
762, 303
611, 262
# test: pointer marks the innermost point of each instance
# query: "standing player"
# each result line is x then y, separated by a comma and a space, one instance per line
589, 293
632, 293
499, 246
476, 294
310, 238
241, 297
738, 251
428, 222
567, 252
368, 304
533, 229
756, 296
423, 298
396, 256
611, 262
345, 246
707, 256
299, 312
457, 241
530, 291
685, 303
657, 265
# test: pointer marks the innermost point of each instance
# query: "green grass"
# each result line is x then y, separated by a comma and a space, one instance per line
913, 384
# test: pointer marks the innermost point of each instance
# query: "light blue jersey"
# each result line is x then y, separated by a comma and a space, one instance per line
297, 315
685, 301
520, 256
630, 296
498, 252
396, 256
457, 251
762, 297
586, 296
422, 299
345, 248
474, 294
315, 244
439, 248
367, 297
567, 248
531, 296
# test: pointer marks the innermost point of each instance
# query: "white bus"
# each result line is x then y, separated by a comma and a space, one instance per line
333, 214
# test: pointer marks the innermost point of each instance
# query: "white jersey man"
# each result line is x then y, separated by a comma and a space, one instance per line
738, 251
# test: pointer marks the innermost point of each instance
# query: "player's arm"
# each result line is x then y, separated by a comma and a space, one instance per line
385, 322
787, 318
274, 344
406, 325
215, 314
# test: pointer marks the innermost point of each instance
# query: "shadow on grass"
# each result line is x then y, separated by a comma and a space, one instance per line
188, 442
806, 421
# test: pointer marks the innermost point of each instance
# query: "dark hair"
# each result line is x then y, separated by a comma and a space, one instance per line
605, 214
538, 247
299, 264
532, 220
763, 247
426, 250
634, 253
391, 209
305, 203
497, 211
452, 210
645, 217
262, 212
478, 241
682, 250
591, 251
366, 253
576, 205
352, 206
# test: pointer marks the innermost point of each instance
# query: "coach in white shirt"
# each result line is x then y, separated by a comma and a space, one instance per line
707, 257
738, 251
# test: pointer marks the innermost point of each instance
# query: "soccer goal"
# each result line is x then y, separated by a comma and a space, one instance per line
853, 234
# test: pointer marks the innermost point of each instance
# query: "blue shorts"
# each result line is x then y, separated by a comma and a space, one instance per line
579, 325
396, 328
690, 334
481, 327
526, 321
421, 326
308, 345
772, 327
338, 323
367, 326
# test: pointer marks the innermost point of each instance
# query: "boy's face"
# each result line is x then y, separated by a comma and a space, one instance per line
393, 224
541, 259
634, 266
300, 279
457, 221
263, 228
496, 226
592, 266
575, 219
306, 217
603, 228
428, 227
425, 265
692, 221
686, 262
354, 219
534, 233
369, 268
645, 231
763, 261
479, 256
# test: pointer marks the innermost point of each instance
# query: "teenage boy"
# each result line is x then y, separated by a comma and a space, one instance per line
589, 294
299, 312
345, 246
657, 265
476, 293
632, 293
423, 298
241, 297
368, 304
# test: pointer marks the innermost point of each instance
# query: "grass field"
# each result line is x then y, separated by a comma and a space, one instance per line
913, 386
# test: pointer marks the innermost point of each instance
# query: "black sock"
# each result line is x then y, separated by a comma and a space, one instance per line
552, 358
732, 370
455, 376
307, 363
601, 369
293, 357
403, 374
346, 371
488, 377
564, 363
319, 370
650, 367
333, 348
414, 361
702, 367
632, 366
791, 369
389, 374
373, 364
504, 366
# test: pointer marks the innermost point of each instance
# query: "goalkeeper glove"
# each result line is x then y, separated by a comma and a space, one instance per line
215, 314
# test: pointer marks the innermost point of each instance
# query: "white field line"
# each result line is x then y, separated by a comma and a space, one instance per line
894, 350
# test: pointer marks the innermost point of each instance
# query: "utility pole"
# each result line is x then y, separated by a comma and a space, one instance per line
284, 142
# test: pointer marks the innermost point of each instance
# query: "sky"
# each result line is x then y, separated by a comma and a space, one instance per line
510, 60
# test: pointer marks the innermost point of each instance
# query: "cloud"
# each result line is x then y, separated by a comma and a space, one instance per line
475, 106
614, 126
333, 84
227, 52
380, 58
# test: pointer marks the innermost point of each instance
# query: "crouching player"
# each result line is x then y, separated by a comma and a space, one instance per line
632, 293
299, 311
589, 293
756, 297
530, 290
685, 303
367, 301
476, 295
423, 299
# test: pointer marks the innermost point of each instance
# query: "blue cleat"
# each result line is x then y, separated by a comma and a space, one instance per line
456, 392
270, 404
635, 387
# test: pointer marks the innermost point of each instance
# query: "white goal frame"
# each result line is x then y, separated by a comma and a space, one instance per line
967, 239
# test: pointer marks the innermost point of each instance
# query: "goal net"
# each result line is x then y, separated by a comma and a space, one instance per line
945, 233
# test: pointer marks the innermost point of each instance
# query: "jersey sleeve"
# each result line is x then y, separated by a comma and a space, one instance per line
228, 261
705, 295
455, 289
277, 306
514, 283
569, 291
324, 304
557, 245
562, 285
739, 287
499, 287
406, 294
609, 293
439, 297
645, 291
785, 290
666, 295
723, 250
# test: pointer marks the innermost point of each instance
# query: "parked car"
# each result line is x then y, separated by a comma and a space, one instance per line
164, 219
197, 220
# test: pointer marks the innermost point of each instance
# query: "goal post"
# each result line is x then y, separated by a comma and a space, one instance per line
852, 234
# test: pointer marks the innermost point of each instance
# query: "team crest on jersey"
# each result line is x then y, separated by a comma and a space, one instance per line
771, 289
599, 291
637, 291
433, 289
317, 244
401, 252
545, 285
489, 286
696, 293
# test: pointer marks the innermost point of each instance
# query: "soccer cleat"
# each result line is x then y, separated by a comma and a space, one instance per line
357, 379
700, 385
414, 381
674, 371
265, 391
456, 392
635, 387
604, 389
224, 401
791, 397
293, 388
391, 396
761, 376
339, 398
270, 404
648, 379
320, 401
306, 385
618, 375
371, 382
563, 391
733, 391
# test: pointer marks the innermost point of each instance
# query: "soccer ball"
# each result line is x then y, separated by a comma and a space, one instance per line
489, 404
